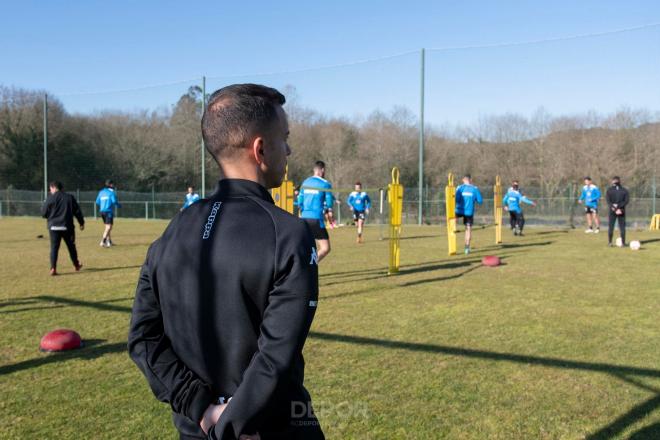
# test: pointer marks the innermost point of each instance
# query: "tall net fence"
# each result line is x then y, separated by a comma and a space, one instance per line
546, 112
550, 211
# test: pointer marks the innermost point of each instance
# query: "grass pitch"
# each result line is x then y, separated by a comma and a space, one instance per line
562, 341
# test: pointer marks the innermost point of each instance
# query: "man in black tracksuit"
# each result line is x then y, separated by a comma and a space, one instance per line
617, 199
227, 295
60, 208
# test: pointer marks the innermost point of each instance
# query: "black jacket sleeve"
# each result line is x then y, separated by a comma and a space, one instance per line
169, 378
45, 208
77, 213
626, 199
608, 197
284, 328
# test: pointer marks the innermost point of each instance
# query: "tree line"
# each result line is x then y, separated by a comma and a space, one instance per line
161, 149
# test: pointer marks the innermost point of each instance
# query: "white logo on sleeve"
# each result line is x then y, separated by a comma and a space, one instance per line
315, 257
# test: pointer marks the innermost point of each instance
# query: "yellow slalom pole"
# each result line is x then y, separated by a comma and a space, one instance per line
283, 196
655, 222
395, 200
497, 191
450, 207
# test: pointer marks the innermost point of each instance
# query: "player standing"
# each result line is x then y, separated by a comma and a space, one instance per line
191, 197
314, 199
617, 198
512, 203
467, 195
359, 203
107, 200
590, 196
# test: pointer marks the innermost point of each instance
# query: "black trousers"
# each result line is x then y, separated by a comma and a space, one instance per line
69, 237
517, 219
622, 226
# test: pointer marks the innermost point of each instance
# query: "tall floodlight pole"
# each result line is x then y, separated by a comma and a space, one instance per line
203, 149
45, 145
421, 142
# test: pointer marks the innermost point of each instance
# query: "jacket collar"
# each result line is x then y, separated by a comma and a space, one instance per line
242, 188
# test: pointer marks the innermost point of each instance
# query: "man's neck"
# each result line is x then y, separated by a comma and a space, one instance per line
230, 171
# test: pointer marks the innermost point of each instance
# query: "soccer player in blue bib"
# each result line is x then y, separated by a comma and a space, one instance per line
467, 195
359, 203
107, 200
191, 197
513, 201
314, 198
590, 197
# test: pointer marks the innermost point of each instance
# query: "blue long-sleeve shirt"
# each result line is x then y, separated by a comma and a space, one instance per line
190, 199
315, 196
359, 201
590, 196
107, 200
513, 200
467, 196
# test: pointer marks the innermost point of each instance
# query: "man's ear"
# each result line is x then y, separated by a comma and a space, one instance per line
258, 149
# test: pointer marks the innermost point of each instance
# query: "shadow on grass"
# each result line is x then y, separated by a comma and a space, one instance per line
408, 270
525, 245
105, 269
653, 240
91, 349
638, 412
65, 302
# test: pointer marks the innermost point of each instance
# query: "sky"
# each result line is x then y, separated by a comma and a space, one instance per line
133, 55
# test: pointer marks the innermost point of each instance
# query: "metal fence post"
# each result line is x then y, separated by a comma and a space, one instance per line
146, 210
94, 211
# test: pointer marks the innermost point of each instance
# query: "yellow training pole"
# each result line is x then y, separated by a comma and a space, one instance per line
450, 206
283, 196
497, 190
655, 222
395, 200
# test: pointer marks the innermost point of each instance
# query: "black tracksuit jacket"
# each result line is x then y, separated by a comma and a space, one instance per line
60, 209
223, 306
617, 198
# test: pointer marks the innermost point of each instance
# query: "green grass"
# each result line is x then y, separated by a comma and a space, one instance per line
562, 341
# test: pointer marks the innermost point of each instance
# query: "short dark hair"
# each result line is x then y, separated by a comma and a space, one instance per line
616, 179
587, 178
467, 176
319, 164
109, 183
236, 112
358, 183
56, 184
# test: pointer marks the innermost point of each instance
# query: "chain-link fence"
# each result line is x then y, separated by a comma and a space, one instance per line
550, 211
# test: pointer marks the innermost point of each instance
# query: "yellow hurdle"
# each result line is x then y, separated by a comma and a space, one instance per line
497, 191
450, 207
655, 222
283, 196
395, 201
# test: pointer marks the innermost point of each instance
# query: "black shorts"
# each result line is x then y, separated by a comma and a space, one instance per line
107, 218
359, 215
589, 210
319, 233
468, 220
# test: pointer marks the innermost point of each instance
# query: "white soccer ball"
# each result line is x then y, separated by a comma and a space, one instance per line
619, 242
635, 245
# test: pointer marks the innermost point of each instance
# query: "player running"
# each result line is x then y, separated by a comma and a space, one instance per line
314, 198
107, 200
191, 197
60, 209
359, 203
512, 203
590, 197
467, 195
